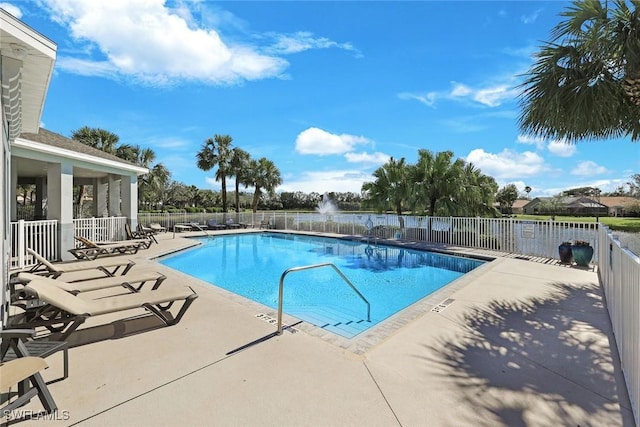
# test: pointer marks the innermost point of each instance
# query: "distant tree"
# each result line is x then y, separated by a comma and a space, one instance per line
437, 176
476, 193
263, 176
100, 139
582, 192
634, 185
527, 190
237, 168
390, 188
216, 151
506, 196
178, 195
155, 186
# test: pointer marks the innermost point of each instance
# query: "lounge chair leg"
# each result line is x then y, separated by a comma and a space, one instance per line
159, 312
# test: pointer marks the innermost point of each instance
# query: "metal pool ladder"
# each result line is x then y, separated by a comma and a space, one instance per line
309, 267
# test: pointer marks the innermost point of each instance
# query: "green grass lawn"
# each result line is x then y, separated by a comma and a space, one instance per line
630, 225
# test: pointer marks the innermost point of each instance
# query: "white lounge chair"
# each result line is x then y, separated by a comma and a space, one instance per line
54, 270
61, 311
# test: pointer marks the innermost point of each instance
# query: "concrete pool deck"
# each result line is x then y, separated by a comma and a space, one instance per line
519, 343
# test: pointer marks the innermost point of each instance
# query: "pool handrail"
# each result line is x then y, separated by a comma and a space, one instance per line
308, 267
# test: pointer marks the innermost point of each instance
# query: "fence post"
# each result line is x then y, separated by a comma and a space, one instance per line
21, 248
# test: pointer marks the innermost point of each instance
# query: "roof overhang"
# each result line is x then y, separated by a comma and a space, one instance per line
43, 152
27, 60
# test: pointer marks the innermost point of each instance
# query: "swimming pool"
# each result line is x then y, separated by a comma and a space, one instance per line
390, 278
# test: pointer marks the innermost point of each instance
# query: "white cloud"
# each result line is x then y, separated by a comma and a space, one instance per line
327, 181
15, 11
530, 19
460, 90
301, 41
376, 158
151, 43
588, 168
530, 140
428, 99
323, 143
507, 164
562, 148
492, 95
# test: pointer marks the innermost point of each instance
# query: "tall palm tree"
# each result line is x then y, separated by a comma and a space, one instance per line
237, 168
390, 190
262, 174
216, 151
438, 180
585, 83
527, 190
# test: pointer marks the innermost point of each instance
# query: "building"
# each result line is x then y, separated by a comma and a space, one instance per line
568, 206
53, 163
621, 205
26, 65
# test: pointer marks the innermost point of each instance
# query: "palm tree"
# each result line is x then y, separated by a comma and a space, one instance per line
154, 185
390, 190
97, 138
527, 190
585, 83
238, 166
216, 151
476, 193
438, 180
262, 174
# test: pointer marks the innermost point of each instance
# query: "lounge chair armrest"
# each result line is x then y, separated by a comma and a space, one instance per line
17, 333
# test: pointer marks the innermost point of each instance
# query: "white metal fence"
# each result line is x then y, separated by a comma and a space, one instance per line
619, 271
533, 238
41, 236
101, 229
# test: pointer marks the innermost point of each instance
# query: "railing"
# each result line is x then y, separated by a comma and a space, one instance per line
309, 267
41, 236
101, 229
532, 238
619, 271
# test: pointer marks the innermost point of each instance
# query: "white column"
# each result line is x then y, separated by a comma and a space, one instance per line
129, 197
60, 204
41, 196
13, 188
114, 195
5, 175
100, 194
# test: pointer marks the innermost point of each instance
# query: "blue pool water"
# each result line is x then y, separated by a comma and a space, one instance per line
390, 278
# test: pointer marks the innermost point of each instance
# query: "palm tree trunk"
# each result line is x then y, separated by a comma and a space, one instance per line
224, 193
631, 87
237, 196
256, 198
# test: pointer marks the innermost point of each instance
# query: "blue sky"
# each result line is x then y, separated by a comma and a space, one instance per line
326, 90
